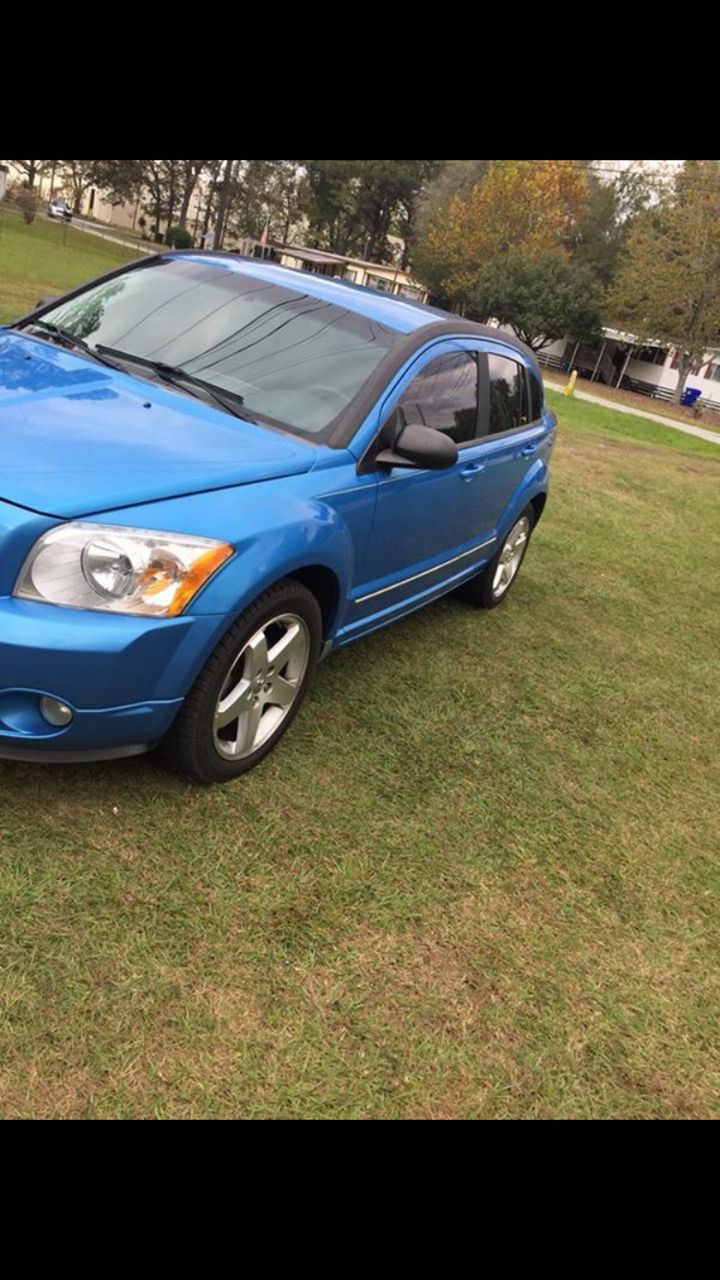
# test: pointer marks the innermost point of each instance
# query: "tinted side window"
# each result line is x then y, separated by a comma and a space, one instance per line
536, 397
444, 396
507, 393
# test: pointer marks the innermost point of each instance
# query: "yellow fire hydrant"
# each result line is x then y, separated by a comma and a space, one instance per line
568, 390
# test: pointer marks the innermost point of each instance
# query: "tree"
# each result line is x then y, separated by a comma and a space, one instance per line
354, 206
31, 168
154, 192
225, 186
190, 172
601, 233
288, 198
543, 296
121, 181
520, 207
450, 178
165, 187
668, 285
268, 193
333, 187
214, 169
81, 175
386, 202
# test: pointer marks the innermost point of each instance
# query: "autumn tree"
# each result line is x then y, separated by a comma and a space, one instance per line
520, 206
668, 285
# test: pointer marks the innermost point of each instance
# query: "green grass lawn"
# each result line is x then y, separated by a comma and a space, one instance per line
35, 262
625, 426
478, 879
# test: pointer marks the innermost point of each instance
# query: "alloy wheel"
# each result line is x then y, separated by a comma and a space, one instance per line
511, 556
261, 686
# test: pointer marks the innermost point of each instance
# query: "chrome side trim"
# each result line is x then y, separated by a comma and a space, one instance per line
435, 569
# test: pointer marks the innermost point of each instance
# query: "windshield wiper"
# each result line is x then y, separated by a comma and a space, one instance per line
174, 373
64, 336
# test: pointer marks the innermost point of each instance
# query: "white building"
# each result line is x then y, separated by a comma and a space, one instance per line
637, 364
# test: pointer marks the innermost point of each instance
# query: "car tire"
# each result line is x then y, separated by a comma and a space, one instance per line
208, 742
489, 588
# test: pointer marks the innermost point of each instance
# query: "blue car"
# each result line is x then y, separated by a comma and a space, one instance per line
214, 471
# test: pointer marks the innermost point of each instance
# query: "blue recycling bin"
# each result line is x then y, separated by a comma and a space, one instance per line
690, 395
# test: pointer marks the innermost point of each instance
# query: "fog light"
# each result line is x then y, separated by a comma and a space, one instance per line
56, 713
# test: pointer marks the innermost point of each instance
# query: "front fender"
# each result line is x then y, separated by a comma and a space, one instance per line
305, 533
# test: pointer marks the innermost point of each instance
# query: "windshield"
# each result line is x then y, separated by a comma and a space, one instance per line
292, 358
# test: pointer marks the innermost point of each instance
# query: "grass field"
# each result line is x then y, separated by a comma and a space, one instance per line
478, 879
36, 263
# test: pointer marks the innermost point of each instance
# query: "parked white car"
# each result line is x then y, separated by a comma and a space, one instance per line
59, 209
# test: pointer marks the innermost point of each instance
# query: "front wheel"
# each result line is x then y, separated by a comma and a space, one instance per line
490, 587
251, 688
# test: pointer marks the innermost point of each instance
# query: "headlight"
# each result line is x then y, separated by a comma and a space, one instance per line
108, 567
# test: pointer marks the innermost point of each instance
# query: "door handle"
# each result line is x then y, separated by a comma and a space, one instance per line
471, 470
527, 449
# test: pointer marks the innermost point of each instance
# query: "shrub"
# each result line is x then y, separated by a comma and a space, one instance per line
178, 238
27, 202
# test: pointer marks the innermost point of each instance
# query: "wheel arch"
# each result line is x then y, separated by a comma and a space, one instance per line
324, 584
538, 505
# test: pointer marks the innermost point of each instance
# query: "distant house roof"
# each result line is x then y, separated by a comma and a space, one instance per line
324, 255
616, 335
309, 255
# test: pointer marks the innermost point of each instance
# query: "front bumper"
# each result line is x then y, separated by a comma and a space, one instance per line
124, 678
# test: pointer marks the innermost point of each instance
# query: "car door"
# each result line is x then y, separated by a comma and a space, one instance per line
431, 526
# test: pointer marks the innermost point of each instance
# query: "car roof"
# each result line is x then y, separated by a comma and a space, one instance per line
401, 314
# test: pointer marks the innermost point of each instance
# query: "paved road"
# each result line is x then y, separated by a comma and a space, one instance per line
704, 433
141, 246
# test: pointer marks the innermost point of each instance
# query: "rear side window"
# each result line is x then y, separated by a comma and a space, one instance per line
444, 395
507, 394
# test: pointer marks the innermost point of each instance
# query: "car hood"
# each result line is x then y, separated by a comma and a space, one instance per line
78, 438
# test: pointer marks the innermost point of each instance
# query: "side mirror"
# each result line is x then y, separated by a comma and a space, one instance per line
422, 447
